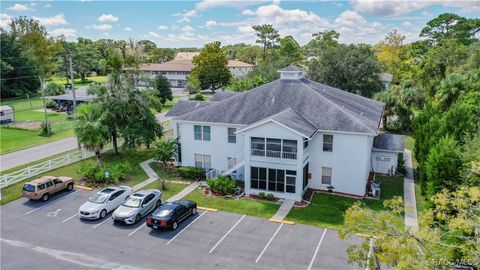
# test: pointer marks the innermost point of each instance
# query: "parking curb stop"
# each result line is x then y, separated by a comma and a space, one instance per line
282, 221
83, 187
207, 209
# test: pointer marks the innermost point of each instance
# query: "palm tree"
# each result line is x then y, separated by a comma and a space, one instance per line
90, 128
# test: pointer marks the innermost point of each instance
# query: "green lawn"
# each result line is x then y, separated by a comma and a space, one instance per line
79, 82
241, 206
135, 176
172, 188
327, 210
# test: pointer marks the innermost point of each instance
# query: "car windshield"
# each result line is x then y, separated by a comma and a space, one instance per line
29, 188
98, 198
132, 202
163, 213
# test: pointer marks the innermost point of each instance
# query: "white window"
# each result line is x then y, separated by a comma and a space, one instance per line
327, 143
232, 137
203, 161
232, 161
326, 176
201, 133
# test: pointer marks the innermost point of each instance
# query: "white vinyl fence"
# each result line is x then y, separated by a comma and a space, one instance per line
23, 174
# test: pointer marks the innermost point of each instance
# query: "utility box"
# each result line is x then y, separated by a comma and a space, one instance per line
6, 115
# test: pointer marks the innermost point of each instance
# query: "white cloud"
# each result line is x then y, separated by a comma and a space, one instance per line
207, 4
58, 19
19, 8
153, 34
107, 18
210, 24
100, 27
186, 15
4, 19
67, 32
162, 27
47, 6
248, 12
187, 28
408, 25
128, 29
354, 28
400, 7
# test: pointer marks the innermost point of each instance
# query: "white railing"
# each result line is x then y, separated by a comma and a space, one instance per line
273, 154
212, 174
30, 171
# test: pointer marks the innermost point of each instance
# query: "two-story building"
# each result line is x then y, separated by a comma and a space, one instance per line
177, 71
286, 136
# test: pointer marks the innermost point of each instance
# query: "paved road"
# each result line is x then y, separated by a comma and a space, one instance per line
35, 153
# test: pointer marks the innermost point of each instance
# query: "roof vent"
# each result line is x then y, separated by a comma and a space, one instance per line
291, 73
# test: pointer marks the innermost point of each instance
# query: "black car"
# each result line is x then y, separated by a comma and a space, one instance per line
170, 214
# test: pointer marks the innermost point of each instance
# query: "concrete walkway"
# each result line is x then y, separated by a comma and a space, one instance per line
35, 153
283, 210
410, 204
153, 176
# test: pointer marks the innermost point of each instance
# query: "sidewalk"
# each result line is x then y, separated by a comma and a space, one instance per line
410, 204
35, 153
283, 210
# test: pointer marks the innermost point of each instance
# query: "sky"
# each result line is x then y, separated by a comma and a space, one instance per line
194, 23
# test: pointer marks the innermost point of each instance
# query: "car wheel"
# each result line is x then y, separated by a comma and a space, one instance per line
103, 214
45, 197
138, 218
174, 225
70, 187
194, 211
157, 204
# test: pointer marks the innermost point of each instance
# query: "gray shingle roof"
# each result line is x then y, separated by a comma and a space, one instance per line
80, 95
323, 107
221, 95
185, 106
295, 121
389, 142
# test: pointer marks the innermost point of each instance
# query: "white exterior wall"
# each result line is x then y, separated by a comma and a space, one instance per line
274, 131
349, 160
386, 163
239, 71
6, 115
218, 147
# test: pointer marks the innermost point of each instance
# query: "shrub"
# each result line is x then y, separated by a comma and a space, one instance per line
198, 97
401, 164
50, 104
262, 195
270, 197
104, 173
44, 129
53, 89
191, 173
222, 184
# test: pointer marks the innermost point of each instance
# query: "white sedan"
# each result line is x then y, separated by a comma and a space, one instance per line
103, 202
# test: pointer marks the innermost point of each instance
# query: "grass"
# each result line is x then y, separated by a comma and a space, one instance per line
241, 206
135, 176
78, 82
327, 210
14, 139
172, 188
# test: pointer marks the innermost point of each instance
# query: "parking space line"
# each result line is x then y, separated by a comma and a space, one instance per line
38, 208
65, 220
137, 229
316, 250
229, 231
268, 244
106, 218
186, 227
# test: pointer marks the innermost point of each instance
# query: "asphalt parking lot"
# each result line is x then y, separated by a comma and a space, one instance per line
37, 235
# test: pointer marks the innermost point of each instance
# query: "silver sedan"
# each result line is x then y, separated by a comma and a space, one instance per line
138, 205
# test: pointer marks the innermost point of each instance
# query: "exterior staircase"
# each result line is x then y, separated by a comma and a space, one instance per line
239, 162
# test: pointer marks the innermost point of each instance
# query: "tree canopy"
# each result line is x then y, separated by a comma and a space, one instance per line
210, 69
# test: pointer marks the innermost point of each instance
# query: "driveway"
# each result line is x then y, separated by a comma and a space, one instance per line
35, 153
51, 236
